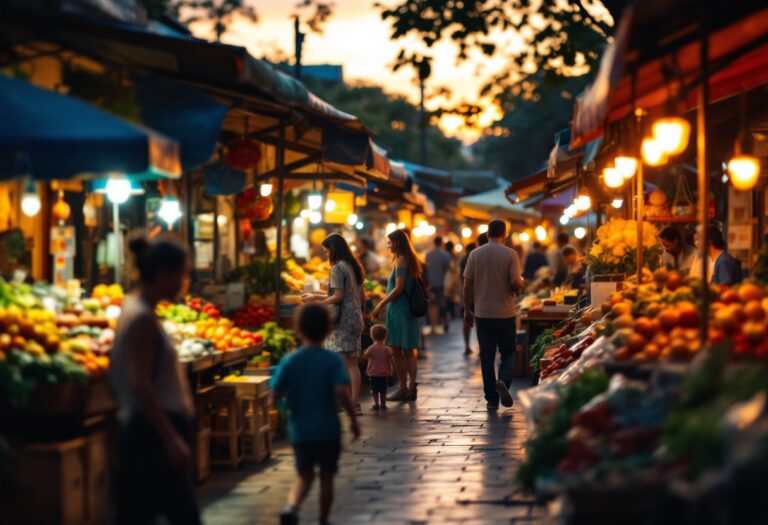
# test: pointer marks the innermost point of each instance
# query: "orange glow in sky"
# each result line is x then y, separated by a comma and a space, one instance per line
357, 38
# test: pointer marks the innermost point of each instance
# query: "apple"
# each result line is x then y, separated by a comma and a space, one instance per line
729, 297
754, 311
669, 318
674, 280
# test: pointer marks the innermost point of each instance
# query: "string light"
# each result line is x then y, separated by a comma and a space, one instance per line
580, 233
541, 233
466, 232
564, 219
671, 134
612, 177
653, 153
265, 190
617, 203
525, 237
744, 171
626, 166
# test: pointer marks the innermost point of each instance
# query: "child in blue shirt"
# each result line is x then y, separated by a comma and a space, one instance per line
313, 380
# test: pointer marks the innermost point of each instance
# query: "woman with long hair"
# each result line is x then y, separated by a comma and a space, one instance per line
404, 332
346, 296
154, 396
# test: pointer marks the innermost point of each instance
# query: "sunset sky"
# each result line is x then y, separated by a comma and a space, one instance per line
357, 38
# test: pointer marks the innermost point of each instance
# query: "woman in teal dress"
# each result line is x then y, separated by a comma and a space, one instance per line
404, 331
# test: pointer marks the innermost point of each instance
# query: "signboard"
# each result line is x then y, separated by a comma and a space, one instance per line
343, 205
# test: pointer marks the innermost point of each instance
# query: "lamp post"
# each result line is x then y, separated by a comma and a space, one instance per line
118, 191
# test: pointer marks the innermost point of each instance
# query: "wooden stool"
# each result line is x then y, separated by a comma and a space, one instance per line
255, 399
223, 407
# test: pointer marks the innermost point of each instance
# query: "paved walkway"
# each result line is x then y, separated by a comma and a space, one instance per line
442, 459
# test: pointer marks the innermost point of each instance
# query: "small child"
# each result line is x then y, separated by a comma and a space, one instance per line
380, 366
313, 380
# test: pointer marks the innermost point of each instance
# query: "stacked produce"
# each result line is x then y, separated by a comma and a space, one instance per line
254, 314
225, 335
203, 307
277, 342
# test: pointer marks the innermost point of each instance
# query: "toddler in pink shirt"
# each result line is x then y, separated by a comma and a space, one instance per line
380, 366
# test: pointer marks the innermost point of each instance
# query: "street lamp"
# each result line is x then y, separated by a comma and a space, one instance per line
170, 212
30, 200
118, 191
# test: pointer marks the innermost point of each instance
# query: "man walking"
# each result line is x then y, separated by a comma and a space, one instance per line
438, 262
557, 264
491, 280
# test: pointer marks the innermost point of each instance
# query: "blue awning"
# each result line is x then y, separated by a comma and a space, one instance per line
183, 113
60, 137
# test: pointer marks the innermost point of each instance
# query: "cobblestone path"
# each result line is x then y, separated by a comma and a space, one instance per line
441, 459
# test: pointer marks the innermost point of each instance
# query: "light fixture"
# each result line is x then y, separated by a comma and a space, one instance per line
359, 225
400, 225
671, 133
571, 211
583, 202
298, 222
541, 233
391, 227
170, 211
431, 229
483, 228
221, 220
743, 171
330, 205
612, 177
466, 232
580, 233
315, 217
118, 190
743, 168
314, 201
265, 190
724, 179
617, 203
626, 166
564, 219
525, 237
653, 154
352, 219
304, 214
30, 200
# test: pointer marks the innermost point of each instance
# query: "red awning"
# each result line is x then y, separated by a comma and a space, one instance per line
738, 61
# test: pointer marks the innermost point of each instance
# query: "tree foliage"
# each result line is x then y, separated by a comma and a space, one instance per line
395, 122
560, 36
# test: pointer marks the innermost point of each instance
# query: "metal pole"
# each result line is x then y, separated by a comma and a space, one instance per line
279, 213
703, 169
640, 203
118, 241
422, 126
299, 42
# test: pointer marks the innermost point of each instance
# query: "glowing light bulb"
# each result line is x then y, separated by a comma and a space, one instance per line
525, 237
483, 228
315, 217
265, 190
571, 211
541, 233
653, 153
626, 166
391, 227
118, 190
671, 133
583, 202
330, 205
564, 219
580, 233
170, 211
352, 219
359, 225
617, 203
314, 201
612, 177
744, 171
466, 232
30, 204
304, 214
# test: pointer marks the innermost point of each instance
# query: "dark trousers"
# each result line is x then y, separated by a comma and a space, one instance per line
148, 485
493, 334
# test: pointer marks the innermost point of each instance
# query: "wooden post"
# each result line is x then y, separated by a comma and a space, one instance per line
279, 214
703, 169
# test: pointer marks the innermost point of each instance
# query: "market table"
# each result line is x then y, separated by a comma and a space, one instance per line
534, 323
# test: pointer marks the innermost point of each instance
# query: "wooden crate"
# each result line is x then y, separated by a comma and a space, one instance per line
61, 483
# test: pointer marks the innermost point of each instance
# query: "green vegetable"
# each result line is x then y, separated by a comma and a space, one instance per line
21, 372
549, 446
277, 341
258, 277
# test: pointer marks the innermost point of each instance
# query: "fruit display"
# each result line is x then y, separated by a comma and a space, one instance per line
259, 277
615, 248
657, 204
203, 307
254, 314
224, 335
662, 319
180, 313
112, 294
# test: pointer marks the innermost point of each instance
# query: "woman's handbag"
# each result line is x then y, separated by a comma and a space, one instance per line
418, 300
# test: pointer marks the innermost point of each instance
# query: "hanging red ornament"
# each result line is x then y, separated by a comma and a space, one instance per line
252, 206
60, 211
243, 154
262, 208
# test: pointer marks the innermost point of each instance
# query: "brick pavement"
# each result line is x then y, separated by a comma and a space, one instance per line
441, 459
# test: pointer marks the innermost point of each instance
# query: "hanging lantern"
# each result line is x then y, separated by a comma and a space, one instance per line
671, 134
653, 153
743, 171
612, 177
254, 207
243, 155
262, 208
626, 166
61, 210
